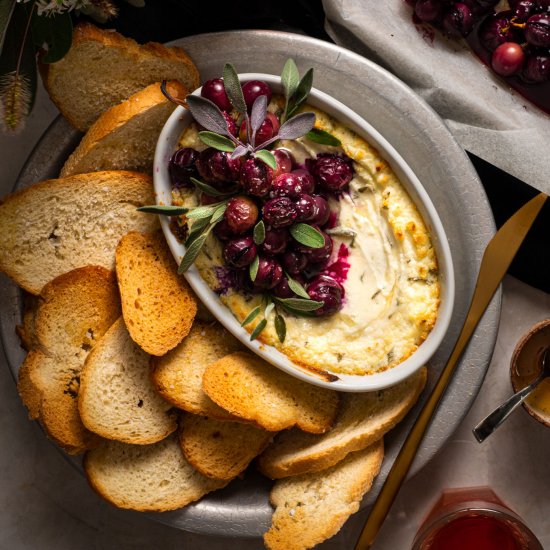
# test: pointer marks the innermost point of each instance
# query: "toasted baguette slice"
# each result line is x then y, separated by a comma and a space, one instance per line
73, 312
363, 419
117, 399
124, 136
178, 375
254, 390
157, 304
154, 478
103, 68
58, 225
313, 507
221, 450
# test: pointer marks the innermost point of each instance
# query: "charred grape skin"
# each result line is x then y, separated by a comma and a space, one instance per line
324, 288
279, 212
275, 242
222, 167
269, 273
240, 252
459, 21
333, 172
508, 59
285, 161
241, 214
255, 177
498, 29
214, 90
537, 30
536, 69
294, 262
181, 166
254, 89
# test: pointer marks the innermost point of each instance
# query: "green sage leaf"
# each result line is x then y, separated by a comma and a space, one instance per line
218, 213
307, 235
324, 138
269, 309
56, 31
251, 316
259, 327
207, 114
268, 157
212, 191
302, 91
221, 143
290, 78
204, 211
164, 210
296, 287
191, 253
253, 269
280, 327
299, 304
233, 88
297, 126
197, 229
259, 233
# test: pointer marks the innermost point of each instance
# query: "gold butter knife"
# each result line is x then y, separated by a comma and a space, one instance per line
495, 262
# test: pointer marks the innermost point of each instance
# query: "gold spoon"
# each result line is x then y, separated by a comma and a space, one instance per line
495, 262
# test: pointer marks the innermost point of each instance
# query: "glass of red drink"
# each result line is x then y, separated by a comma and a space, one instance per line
473, 519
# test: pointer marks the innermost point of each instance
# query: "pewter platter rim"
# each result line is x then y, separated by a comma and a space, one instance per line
242, 509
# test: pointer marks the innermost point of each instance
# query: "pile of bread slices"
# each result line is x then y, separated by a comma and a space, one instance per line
124, 366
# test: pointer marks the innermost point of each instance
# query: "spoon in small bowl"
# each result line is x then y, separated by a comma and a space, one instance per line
488, 425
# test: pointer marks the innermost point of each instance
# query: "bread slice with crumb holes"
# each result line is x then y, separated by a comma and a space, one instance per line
363, 418
256, 391
221, 450
157, 304
313, 507
147, 478
57, 225
124, 136
117, 399
71, 314
178, 375
103, 68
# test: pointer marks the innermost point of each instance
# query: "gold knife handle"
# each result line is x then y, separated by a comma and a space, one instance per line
495, 262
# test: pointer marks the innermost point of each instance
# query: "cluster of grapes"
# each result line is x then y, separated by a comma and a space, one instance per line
267, 204
518, 38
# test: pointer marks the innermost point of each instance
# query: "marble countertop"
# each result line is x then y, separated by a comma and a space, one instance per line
45, 504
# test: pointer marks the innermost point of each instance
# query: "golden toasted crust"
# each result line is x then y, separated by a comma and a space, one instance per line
313, 507
221, 450
157, 304
73, 312
251, 389
99, 59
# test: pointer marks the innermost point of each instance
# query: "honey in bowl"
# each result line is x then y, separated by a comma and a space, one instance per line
525, 367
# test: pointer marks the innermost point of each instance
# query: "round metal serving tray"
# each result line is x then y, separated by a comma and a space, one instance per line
420, 136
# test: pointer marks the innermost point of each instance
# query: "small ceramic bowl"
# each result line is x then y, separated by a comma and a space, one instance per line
525, 366
167, 144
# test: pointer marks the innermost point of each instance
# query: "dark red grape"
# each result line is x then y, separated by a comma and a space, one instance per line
498, 29
222, 231
241, 214
240, 252
306, 208
253, 89
275, 241
536, 69
428, 10
256, 177
289, 185
214, 91
321, 211
333, 172
181, 166
223, 167
279, 212
282, 290
269, 273
524, 9
294, 262
206, 199
459, 21
285, 160
508, 59
315, 255
231, 124
306, 179
537, 30
203, 164
329, 291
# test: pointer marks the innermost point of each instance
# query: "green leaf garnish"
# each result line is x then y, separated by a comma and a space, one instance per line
302, 91
280, 327
212, 191
251, 316
197, 229
259, 233
296, 287
307, 235
221, 143
218, 213
204, 211
259, 327
192, 252
290, 78
269, 309
253, 269
233, 88
268, 157
324, 138
164, 210
299, 304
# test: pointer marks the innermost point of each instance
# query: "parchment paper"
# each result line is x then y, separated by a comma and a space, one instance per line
486, 117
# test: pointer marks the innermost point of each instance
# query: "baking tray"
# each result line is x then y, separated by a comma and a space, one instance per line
421, 137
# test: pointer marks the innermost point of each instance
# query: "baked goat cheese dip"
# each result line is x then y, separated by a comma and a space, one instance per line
382, 255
